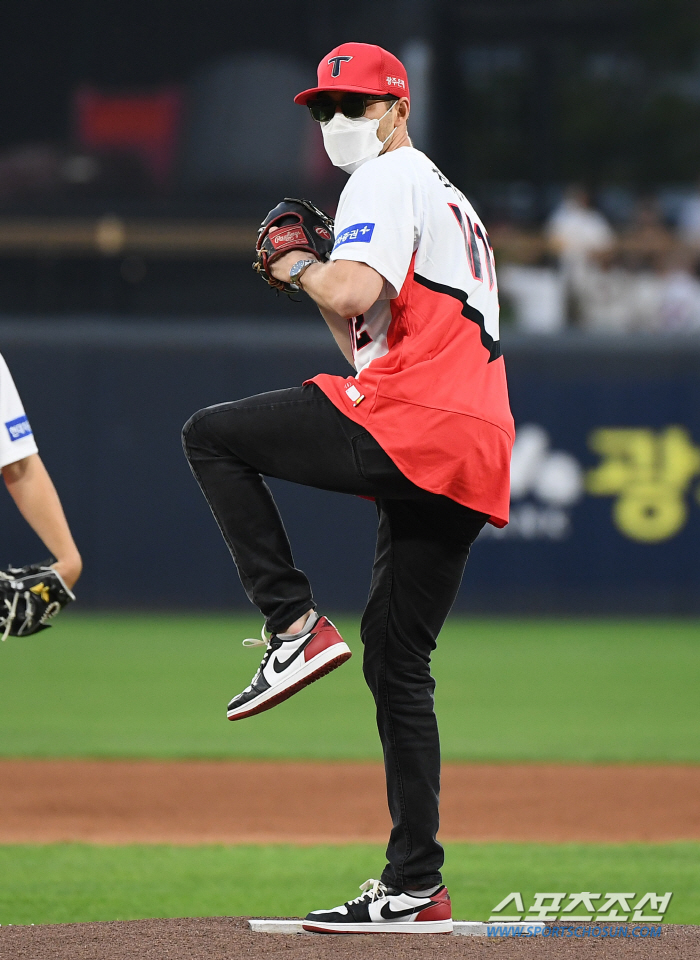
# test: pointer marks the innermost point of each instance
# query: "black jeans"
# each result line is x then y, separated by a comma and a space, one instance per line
422, 545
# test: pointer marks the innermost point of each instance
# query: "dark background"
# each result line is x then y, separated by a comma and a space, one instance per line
537, 91
516, 99
112, 351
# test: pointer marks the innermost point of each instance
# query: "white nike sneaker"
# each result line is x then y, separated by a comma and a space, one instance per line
288, 666
382, 909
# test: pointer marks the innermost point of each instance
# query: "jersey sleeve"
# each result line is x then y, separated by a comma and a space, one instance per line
377, 220
16, 438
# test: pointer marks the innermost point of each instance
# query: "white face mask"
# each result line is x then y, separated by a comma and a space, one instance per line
350, 143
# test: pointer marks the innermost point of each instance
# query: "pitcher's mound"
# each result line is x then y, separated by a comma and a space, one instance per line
224, 938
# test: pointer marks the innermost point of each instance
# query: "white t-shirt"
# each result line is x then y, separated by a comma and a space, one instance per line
579, 231
398, 205
16, 438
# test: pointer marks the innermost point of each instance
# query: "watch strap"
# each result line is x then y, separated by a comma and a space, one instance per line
298, 269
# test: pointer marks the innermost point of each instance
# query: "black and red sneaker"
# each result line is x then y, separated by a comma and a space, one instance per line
382, 909
290, 665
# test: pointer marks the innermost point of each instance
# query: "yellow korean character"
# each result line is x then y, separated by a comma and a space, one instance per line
649, 474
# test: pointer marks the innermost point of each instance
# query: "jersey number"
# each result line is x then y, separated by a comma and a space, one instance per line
470, 232
358, 337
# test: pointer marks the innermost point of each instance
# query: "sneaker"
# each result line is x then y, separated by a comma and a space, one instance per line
382, 909
290, 665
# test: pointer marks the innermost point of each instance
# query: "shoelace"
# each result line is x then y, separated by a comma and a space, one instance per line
10, 619
263, 642
375, 889
311, 620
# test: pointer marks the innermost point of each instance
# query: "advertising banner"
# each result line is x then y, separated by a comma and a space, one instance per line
605, 510
605, 504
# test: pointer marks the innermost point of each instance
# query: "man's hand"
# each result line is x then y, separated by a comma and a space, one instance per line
294, 227
280, 268
69, 568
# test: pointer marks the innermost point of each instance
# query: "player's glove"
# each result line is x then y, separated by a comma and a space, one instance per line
29, 597
292, 225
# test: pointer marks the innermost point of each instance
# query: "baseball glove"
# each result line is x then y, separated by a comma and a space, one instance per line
292, 225
29, 597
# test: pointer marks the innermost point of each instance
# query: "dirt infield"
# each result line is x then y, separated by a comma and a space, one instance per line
218, 938
234, 802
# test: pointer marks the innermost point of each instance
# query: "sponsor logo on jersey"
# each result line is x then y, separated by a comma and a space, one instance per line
357, 233
19, 428
354, 394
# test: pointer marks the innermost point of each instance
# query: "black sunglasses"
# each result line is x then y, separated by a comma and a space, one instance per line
353, 106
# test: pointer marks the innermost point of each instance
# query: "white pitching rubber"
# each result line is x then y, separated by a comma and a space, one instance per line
276, 926
460, 928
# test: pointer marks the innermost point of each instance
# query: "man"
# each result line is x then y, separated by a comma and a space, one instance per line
423, 427
30, 485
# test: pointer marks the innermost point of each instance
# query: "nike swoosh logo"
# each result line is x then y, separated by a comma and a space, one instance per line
280, 666
389, 914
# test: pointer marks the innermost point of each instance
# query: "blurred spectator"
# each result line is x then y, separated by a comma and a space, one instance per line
537, 295
647, 299
680, 297
605, 297
576, 231
613, 299
689, 219
577, 234
647, 240
645, 280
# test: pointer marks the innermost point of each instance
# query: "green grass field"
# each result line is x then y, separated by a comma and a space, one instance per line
157, 686
522, 690
74, 882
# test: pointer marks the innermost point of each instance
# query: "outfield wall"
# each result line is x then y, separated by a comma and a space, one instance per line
606, 504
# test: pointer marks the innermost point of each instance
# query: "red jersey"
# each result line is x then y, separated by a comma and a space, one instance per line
430, 385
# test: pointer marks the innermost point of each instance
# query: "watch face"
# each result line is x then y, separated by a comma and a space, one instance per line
298, 266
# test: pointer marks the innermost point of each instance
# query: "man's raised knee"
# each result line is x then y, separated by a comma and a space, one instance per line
193, 428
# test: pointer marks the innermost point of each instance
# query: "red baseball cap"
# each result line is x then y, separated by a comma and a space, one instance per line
359, 68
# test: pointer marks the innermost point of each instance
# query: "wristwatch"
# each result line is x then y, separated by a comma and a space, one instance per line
297, 270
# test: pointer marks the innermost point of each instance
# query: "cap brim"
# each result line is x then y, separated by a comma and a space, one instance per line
306, 95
